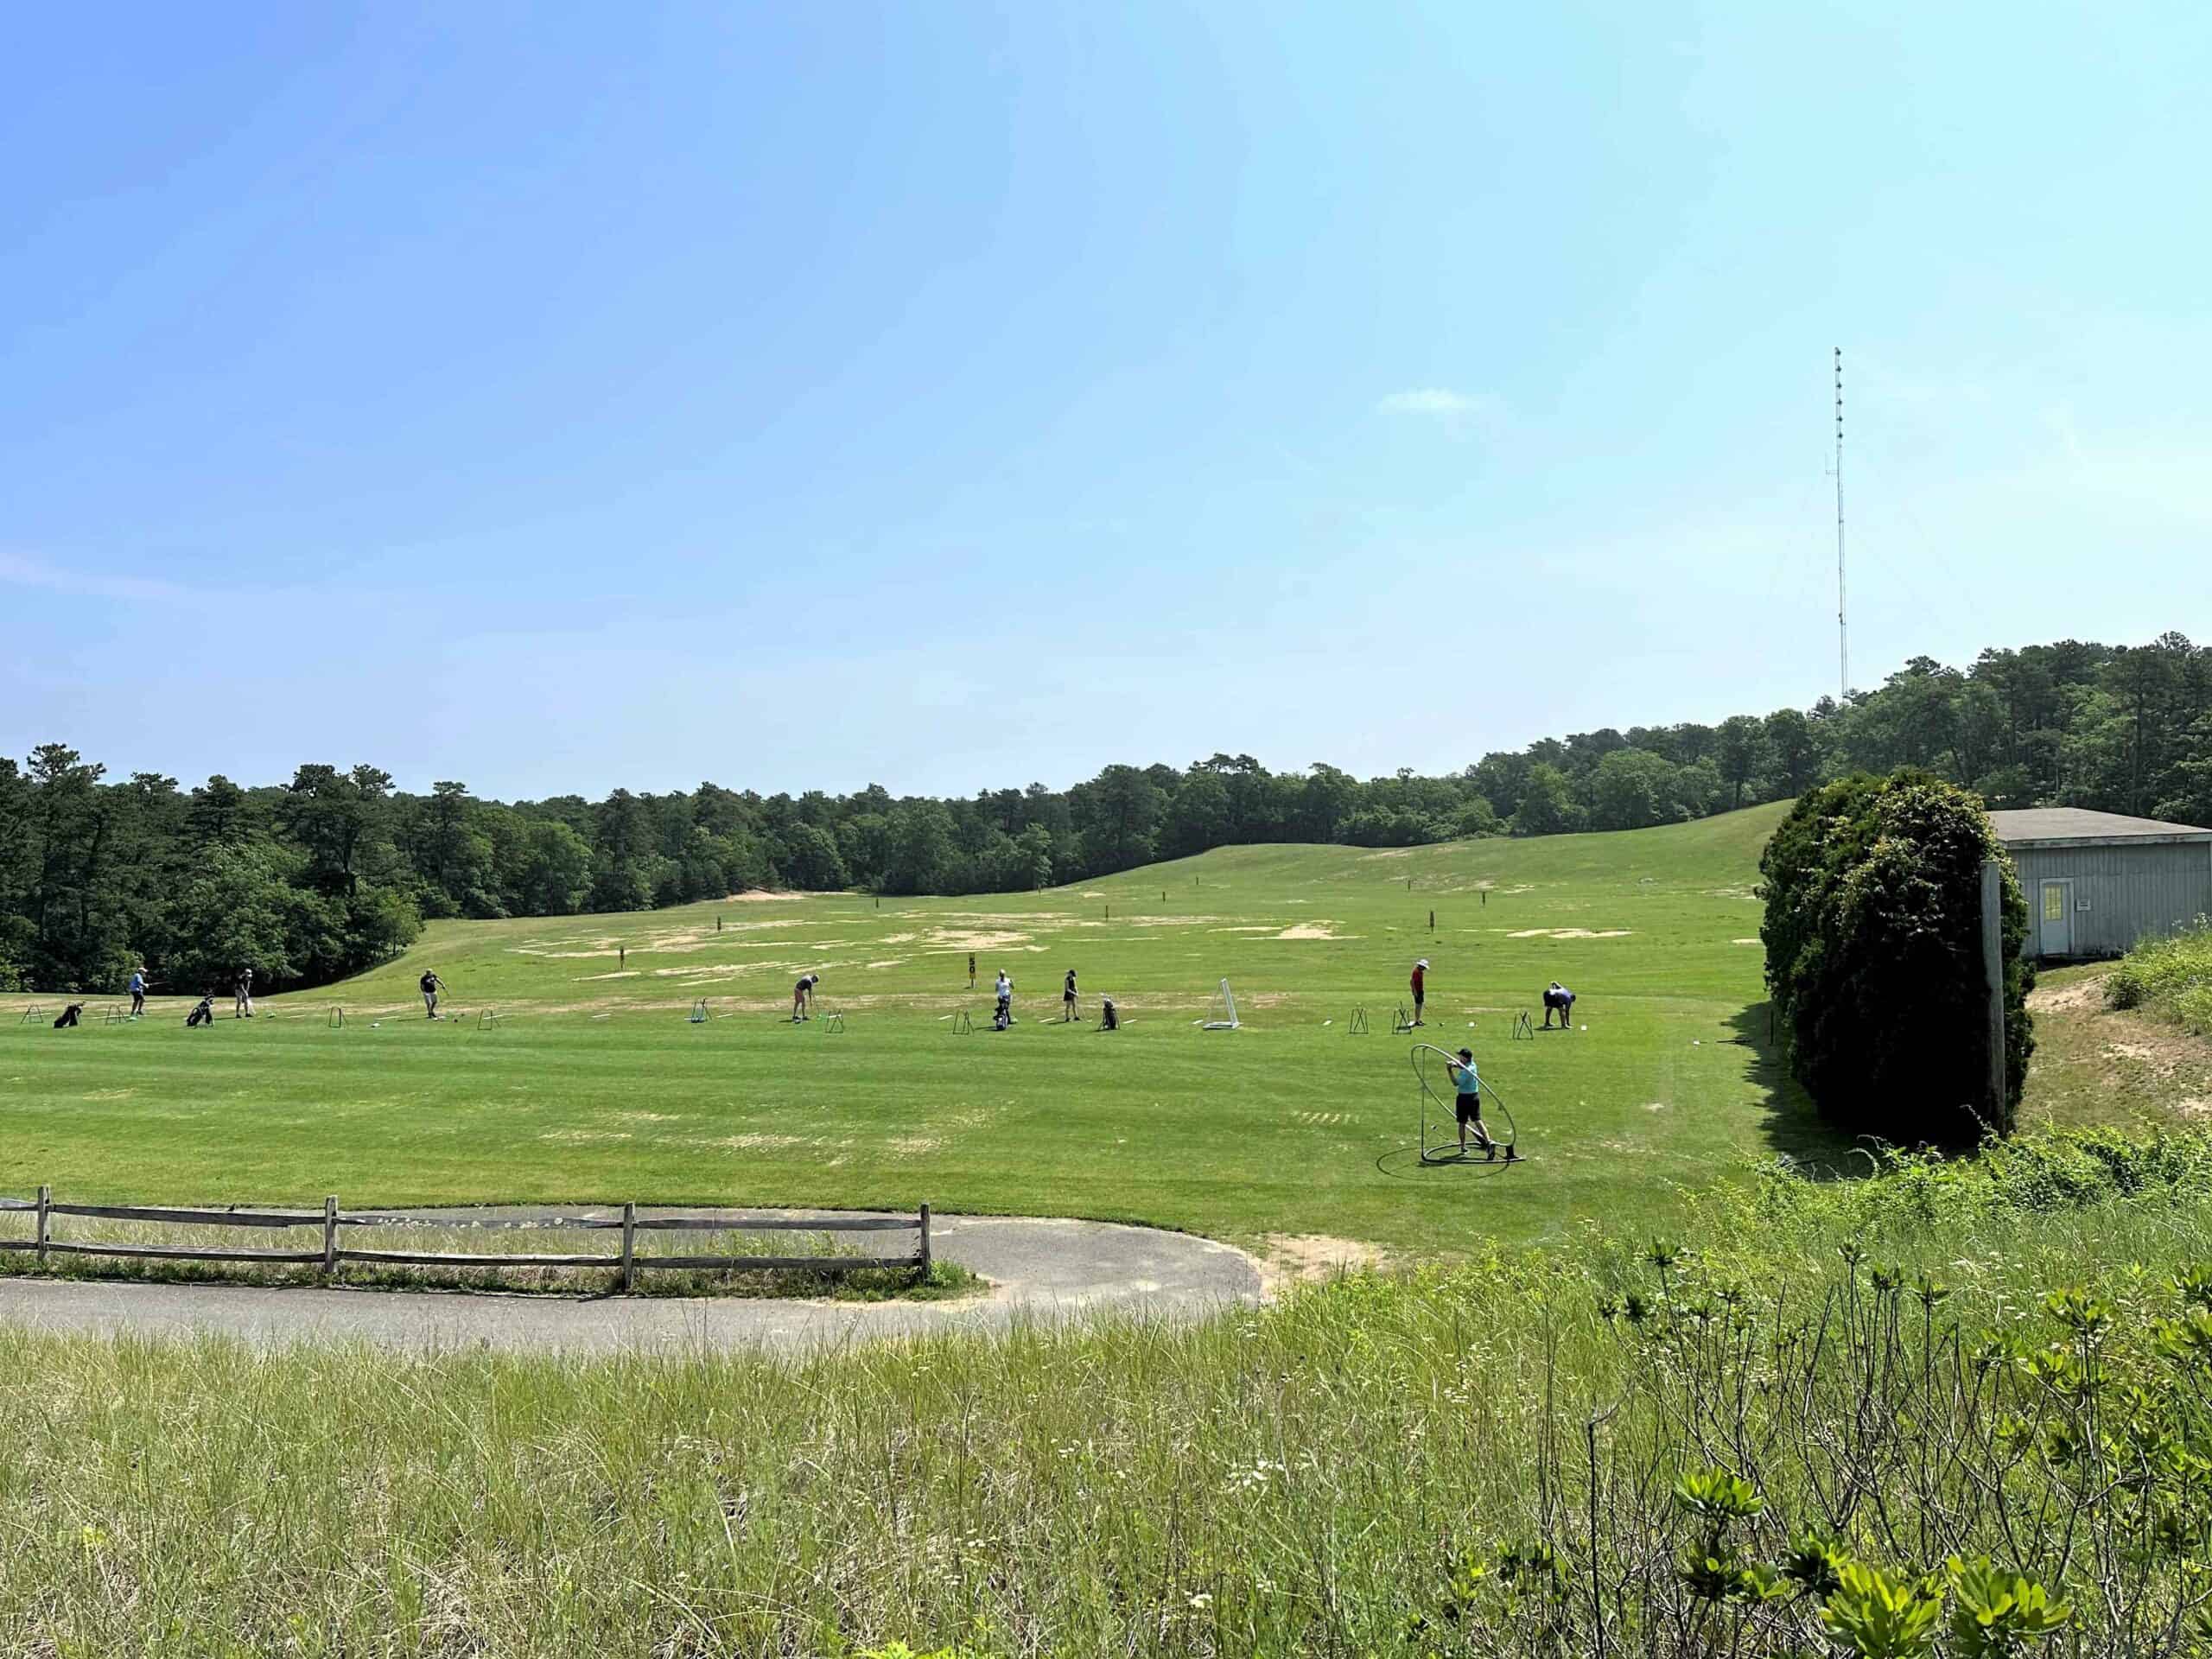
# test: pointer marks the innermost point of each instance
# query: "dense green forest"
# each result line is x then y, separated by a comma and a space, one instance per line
317, 878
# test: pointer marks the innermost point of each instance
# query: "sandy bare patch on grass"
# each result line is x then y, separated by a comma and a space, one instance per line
1570, 933
759, 1142
1306, 1258
2160, 1055
940, 938
1313, 931
888, 962
2056, 998
624, 973
761, 896
1743, 941
578, 1136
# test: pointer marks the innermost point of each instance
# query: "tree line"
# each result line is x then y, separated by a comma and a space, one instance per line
335, 870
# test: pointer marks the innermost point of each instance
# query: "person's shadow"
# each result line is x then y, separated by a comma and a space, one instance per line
1791, 1125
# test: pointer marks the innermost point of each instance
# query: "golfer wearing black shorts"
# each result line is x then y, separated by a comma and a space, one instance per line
1468, 1108
1067, 999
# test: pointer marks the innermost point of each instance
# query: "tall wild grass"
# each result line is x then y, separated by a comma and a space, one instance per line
2172, 975
1957, 1408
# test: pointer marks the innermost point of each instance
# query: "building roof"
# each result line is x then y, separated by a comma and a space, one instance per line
2072, 826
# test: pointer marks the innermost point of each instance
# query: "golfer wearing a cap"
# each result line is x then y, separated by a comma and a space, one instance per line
1420, 987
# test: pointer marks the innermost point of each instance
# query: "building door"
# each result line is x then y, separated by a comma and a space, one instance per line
2054, 929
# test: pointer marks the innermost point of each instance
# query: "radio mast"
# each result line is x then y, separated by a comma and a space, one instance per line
1842, 628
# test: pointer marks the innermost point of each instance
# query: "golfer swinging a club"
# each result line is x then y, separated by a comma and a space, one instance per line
431, 985
1468, 1108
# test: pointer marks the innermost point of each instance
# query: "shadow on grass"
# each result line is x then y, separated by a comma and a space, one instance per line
1791, 1127
1406, 1163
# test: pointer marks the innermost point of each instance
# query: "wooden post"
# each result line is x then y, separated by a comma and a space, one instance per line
629, 1248
45, 1220
330, 1234
1992, 969
925, 1241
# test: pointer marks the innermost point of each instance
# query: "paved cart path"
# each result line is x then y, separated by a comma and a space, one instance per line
1038, 1269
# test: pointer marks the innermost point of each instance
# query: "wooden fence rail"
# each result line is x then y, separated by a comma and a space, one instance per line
626, 1263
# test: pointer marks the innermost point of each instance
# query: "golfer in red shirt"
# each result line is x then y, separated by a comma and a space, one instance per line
1420, 987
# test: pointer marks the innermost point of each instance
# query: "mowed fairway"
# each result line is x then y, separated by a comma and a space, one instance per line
594, 1087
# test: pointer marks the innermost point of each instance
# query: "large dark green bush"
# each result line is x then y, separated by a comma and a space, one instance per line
1873, 957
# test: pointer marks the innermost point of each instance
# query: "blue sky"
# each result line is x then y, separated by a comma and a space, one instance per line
561, 397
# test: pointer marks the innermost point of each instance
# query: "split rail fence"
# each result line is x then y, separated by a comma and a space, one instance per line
626, 1263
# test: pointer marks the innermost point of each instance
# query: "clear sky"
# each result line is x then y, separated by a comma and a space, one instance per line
556, 397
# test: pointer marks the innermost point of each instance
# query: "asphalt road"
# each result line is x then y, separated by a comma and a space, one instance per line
1038, 1270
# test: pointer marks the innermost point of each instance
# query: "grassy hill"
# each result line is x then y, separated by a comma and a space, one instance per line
593, 1085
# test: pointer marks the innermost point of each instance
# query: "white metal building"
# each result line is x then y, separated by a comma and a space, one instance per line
2096, 882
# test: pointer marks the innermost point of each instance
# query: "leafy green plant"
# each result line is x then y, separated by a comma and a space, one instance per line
1875, 1616
1996, 1614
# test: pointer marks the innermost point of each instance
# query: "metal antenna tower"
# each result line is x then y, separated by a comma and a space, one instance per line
1842, 628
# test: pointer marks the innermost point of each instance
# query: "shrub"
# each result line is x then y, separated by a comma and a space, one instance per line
2172, 974
1874, 945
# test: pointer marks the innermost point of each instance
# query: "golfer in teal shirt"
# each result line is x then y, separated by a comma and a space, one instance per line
1469, 1107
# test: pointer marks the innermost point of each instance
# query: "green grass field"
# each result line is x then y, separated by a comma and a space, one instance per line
594, 1086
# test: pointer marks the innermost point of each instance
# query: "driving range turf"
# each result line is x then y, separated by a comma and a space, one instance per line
595, 1085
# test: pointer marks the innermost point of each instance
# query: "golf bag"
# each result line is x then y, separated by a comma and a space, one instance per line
1004, 1017
69, 1016
1108, 1019
202, 1015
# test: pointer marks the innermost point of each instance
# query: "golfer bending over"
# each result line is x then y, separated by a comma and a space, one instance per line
1558, 996
802, 997
431, 985
1468, 1109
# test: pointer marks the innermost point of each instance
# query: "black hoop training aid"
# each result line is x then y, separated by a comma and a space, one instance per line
1432, 1068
